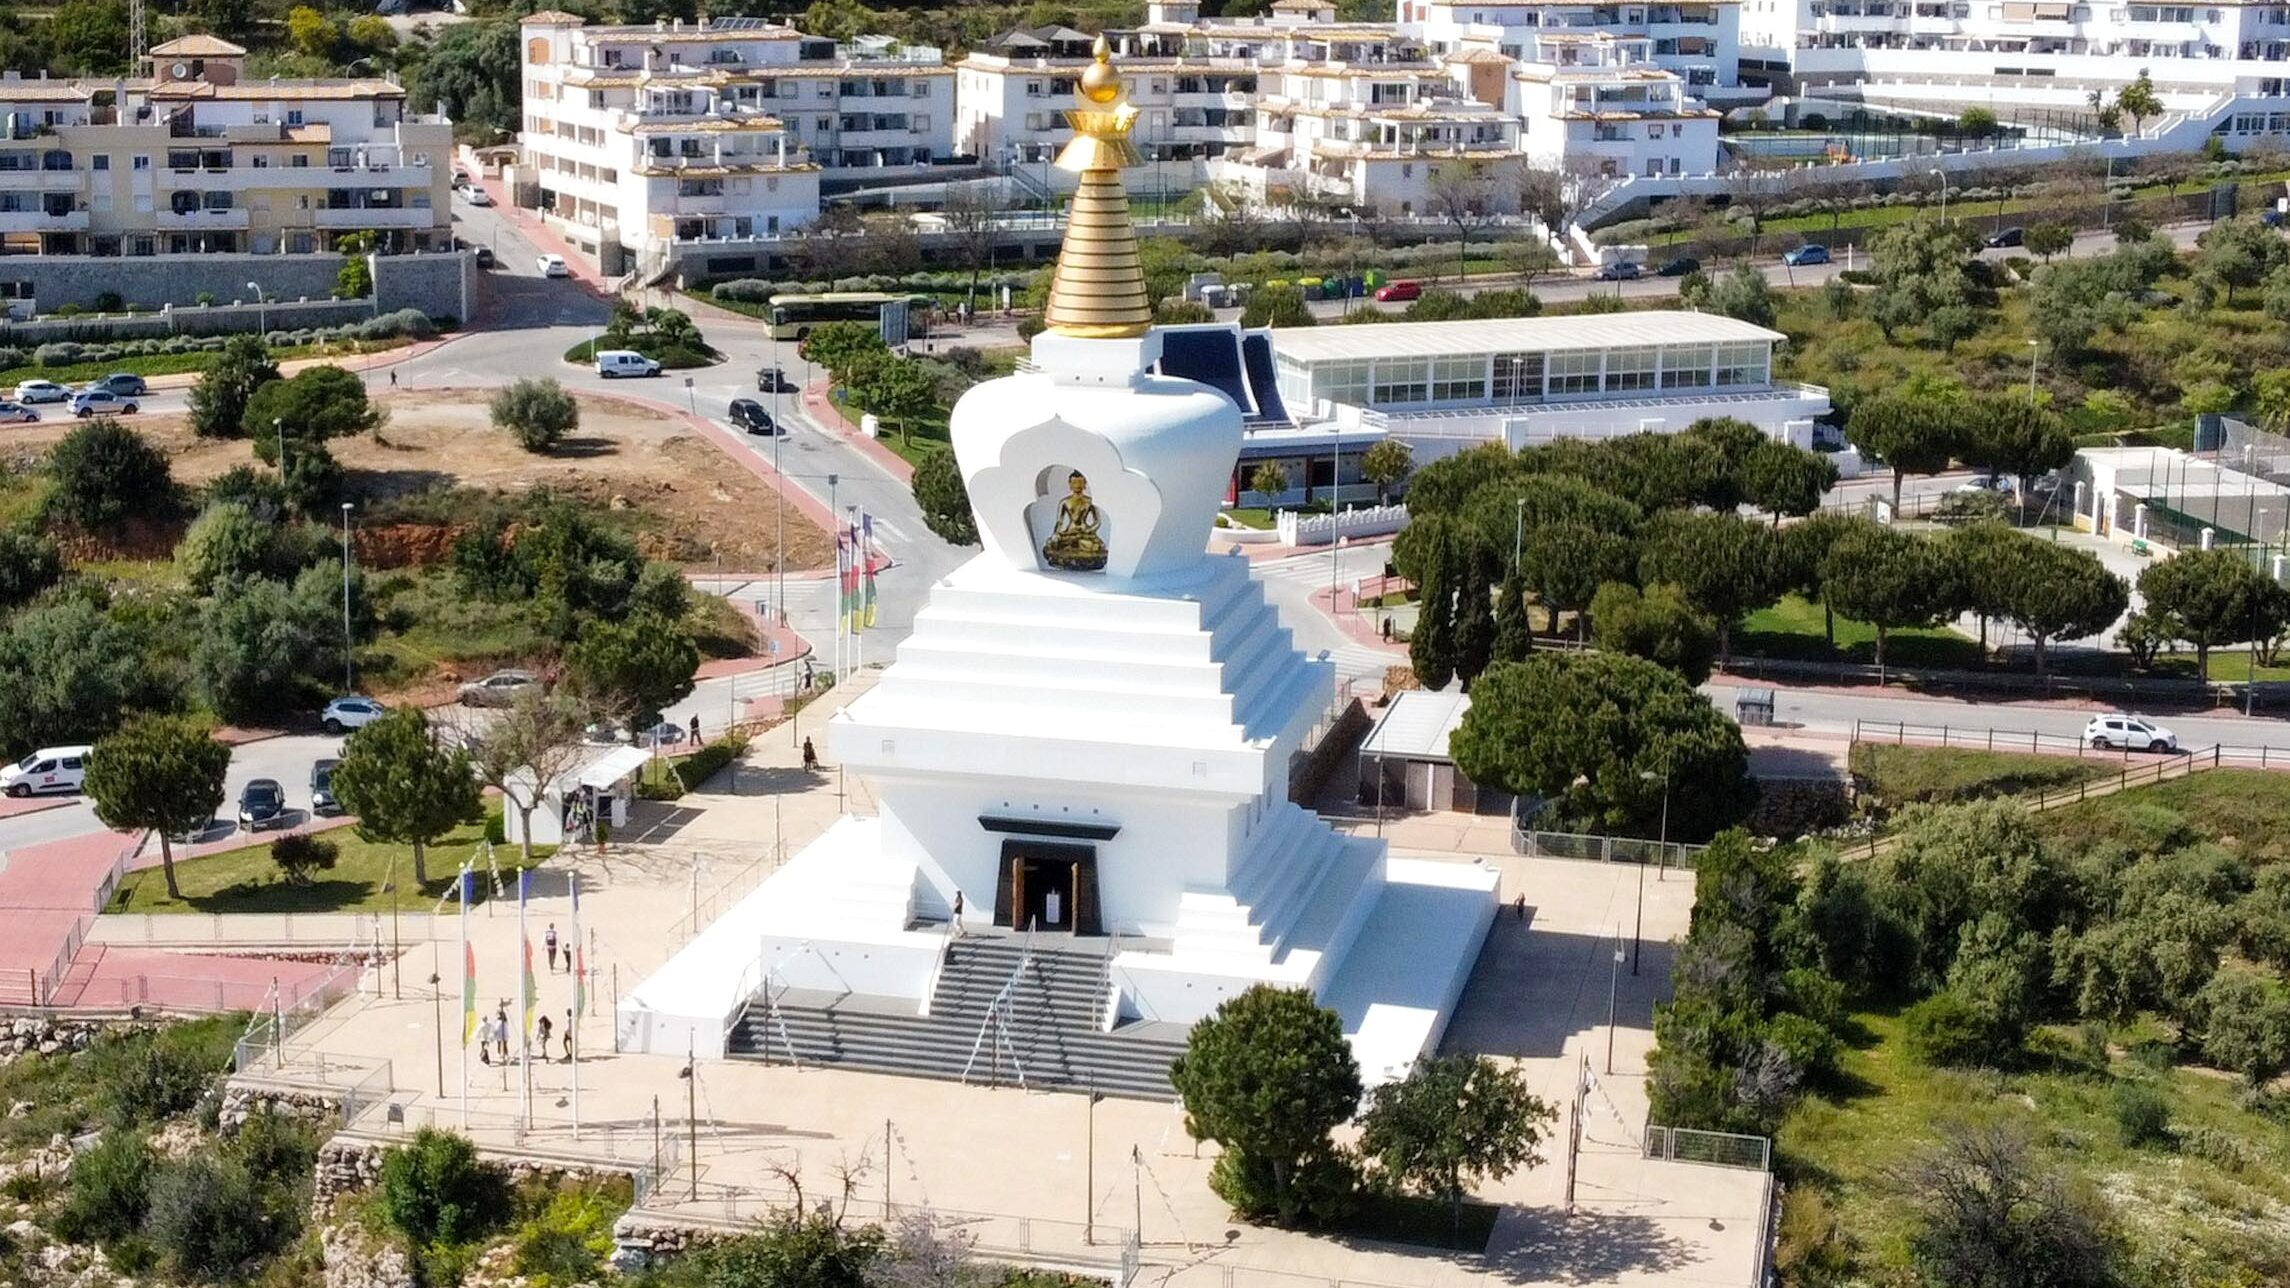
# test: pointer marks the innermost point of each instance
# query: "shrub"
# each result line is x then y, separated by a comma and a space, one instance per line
538, 413
158, 1078
63, 353
2142, 1115
693, 770
568, 1241
298, 856
436, 1189
275, 1148
745, 290
206, 1216
111, 1186
1947, 1029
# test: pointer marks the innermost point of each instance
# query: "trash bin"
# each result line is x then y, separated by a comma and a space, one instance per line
1753, 707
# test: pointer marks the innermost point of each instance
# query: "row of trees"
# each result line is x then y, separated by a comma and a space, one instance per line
872, 377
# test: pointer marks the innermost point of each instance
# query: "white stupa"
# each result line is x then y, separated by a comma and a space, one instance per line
1088, 733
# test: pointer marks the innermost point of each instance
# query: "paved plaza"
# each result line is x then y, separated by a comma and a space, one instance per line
1019, 1164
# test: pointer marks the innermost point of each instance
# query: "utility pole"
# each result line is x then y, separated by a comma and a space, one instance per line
349, 644
690, 1073
1089, 1184
1613, 987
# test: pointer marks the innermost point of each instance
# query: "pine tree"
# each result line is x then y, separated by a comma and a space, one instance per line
1474, 622
1431, 645
1514, 632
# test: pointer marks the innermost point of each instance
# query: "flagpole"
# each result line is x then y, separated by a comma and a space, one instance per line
572, 1018
525, 987
468, 992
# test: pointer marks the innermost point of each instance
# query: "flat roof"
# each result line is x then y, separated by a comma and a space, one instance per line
1416, 725
1504, 335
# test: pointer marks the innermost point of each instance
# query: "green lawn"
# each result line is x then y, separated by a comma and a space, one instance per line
1907, 775
245, 880
1251, 516
169, 364
912, 442
1792, 630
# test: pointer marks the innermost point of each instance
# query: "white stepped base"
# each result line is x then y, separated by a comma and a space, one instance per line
834, 919
1405, 971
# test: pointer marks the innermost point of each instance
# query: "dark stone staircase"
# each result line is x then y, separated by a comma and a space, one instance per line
1052, 1025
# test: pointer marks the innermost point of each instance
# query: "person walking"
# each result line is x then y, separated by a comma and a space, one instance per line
810, 757
958, 914
485, 1040
549, 940
695, 728
542, 1032
501, 1032
568, 1035
393, 377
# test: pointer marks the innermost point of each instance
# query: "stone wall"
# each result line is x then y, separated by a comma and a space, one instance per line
434, 283
46, 1035
241, 1100
349, 1164
356, 1259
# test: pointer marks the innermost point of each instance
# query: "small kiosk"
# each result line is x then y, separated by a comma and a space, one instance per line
600, 789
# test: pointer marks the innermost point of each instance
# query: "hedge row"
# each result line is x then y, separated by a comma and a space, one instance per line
694, 769
71, 353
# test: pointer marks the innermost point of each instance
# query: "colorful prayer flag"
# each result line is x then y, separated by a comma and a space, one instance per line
866, 553
468, 967
531, 987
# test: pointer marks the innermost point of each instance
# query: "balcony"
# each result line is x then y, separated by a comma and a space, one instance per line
34, 221
191, 221
354, 217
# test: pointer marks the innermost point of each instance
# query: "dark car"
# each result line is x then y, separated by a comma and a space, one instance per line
122, 384
1627, 270
1679, 267
1804, 255
485, 257
322, 788
771, 380
2008, 237
262, 804
749, 415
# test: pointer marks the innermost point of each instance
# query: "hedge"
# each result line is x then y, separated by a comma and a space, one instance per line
71, 353
694, 769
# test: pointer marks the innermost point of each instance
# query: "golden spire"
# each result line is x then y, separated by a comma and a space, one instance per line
1097, 291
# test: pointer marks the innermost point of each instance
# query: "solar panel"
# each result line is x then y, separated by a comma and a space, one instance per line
1210, 356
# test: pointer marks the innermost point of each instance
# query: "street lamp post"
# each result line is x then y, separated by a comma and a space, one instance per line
349, 644
1661, 853
2035, 348
437, 1017
278, 426
691, 1075
1943, 192
1518, 531
261, 309
1613, 988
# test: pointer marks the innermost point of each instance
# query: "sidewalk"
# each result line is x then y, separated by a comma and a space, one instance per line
823, 412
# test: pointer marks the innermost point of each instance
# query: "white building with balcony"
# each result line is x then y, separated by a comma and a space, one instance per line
1700, 40
642, 139
196, 159
1600, 101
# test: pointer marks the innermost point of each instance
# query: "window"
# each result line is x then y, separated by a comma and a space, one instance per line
1630, 369
1574, 373
301, 161
294, 116
1343, 382
1402, 380
1457, 379
261, 162
1741, 364
100, 161
143, 163
1518, 377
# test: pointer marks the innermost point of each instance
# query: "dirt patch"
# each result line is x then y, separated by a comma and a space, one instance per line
699, 507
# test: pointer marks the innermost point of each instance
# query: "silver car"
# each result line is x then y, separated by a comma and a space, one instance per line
499, 689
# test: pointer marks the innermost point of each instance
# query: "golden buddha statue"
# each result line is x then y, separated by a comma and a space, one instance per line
1074, 544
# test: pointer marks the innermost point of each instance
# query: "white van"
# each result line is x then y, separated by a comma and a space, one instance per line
624, 362
50, 769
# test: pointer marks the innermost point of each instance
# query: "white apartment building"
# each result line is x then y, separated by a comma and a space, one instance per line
1700, 40
1600, 101
196, 159
2043, 53
643, 138
1357, 114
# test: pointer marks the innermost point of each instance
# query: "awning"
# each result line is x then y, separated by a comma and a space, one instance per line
1417, 725
612, 766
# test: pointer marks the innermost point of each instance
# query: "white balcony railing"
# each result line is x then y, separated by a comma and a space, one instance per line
33, 221
196, 220
379, 217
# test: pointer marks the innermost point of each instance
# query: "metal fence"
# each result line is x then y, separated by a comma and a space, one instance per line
2258, 756
1715, 1148
1602, 849
705, 908
320, 929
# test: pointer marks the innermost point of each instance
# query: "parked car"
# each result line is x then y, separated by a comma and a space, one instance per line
611, 363
125, 384
1405, 289
322, 787
350, 712
477, 196
15, 413
771, 380
42, 391
1627, 270
485, 257
498, 689
101, 402
262, 804
553, 266
2135, 733
1804, 255
460, 178
1678, 267
50, 769
2008, 237
748, 414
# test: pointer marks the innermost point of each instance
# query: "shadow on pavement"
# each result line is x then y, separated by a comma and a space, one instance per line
1589, 1247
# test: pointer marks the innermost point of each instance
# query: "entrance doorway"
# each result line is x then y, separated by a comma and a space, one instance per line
1048, 886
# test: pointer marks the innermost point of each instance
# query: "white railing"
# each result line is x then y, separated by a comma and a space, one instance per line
1319, 529
317, 929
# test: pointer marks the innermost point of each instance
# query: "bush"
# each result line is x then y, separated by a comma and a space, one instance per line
746, 290
111, 1187
207, 1217
568, 1241
2142, 1115
276, 1148
298, 856
436, 1189
693, 770
1946, 1029
61, 354
538, 413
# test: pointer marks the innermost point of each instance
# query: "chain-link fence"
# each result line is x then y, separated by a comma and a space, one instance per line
1716, 1148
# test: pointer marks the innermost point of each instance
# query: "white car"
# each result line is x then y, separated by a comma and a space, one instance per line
50, 769
554, 266
350, 712
101, 402
42, 391
478, 196
13, 413
2135, 733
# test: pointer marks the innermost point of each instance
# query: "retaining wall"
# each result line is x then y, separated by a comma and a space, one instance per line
435, 283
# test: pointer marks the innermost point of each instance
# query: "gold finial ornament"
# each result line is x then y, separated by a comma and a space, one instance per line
1098, 289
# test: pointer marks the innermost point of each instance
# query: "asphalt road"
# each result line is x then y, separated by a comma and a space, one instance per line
1827, 712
